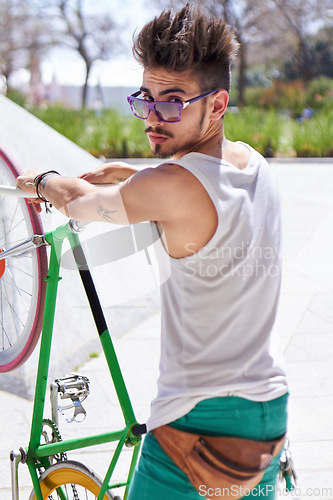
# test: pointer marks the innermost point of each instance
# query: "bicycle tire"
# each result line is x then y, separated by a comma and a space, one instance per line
22, 285
67, 474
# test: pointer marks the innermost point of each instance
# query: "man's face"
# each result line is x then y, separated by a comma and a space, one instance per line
168, 139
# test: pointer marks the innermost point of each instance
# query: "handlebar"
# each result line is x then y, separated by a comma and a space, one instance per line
19, 193
15, 191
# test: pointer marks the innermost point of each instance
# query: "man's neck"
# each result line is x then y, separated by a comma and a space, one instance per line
210, 144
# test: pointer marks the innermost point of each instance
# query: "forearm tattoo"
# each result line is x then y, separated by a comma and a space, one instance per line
106, 214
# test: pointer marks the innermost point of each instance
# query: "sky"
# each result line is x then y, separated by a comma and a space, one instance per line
65, 67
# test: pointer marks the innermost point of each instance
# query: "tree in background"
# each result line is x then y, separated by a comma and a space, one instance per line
29, 29
10, 42
316, 60
92, 36
291, 37
25, 36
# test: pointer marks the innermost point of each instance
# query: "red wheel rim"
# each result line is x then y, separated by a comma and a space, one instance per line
2, 266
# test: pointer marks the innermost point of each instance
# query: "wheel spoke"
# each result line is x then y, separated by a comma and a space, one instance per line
14, 227
12, 311
16, 286
11, 266
3, 329
18, 289
12, 221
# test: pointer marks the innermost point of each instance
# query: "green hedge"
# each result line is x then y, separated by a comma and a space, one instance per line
262, 130
272, 133
313, 138
293, 96
108, 133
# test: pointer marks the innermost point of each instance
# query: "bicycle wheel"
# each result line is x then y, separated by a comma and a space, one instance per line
75, 480
22, 285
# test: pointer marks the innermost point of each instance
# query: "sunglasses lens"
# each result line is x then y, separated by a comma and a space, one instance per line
168, 111
140, 108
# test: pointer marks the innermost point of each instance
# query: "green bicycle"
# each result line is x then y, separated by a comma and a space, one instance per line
28, 291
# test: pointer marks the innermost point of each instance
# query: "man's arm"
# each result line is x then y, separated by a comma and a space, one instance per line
167, 194
149, 194
109, 173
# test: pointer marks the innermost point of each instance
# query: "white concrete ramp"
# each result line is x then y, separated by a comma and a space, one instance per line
32, 144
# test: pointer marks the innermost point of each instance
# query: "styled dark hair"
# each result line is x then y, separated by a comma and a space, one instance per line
189, 39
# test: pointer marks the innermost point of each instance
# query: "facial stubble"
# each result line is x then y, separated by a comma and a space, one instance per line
188, 146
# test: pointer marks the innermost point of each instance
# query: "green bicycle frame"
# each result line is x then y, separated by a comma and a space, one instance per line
37, 454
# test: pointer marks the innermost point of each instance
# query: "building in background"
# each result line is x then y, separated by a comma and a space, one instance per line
99, 97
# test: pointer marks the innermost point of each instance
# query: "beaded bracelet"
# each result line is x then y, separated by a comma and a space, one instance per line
37, 180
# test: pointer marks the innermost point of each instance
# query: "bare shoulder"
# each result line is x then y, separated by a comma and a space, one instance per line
164, 177
236, 153
174, 197
183, 183
172, 172
159, 193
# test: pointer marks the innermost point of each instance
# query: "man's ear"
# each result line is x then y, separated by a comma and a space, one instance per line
220, 103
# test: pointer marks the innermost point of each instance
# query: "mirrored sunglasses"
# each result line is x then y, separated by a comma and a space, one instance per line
166, 111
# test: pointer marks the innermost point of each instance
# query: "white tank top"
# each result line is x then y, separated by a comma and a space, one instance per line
219, 304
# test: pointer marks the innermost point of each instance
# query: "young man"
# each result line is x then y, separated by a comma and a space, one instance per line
217, 205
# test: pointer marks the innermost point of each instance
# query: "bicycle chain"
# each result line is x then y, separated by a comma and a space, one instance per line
75, 493
56, 437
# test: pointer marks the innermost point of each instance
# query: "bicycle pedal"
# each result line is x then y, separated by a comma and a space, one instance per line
79, 412
73, 389
73, 384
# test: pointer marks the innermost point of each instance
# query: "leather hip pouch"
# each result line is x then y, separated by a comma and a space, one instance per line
223, 465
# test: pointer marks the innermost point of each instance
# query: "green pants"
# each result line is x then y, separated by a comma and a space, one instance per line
158, 478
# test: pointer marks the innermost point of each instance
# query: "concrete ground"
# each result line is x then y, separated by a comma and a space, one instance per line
305, 325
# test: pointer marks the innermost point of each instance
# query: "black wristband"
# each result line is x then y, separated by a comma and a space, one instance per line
37, 180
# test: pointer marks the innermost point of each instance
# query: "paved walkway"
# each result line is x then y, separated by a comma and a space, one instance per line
305, 325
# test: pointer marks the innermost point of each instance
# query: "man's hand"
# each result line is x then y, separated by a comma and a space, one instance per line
109, 173
26, 183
